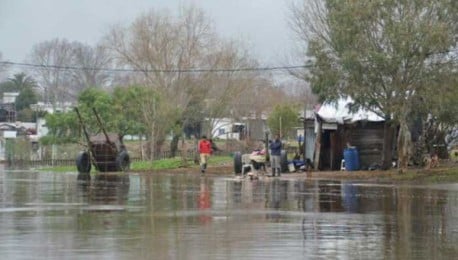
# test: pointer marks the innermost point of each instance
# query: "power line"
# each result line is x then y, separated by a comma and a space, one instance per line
192, 70
196, 70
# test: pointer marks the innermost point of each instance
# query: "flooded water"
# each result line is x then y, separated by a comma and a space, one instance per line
185, 216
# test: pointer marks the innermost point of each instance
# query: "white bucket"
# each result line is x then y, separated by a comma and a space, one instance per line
291, 167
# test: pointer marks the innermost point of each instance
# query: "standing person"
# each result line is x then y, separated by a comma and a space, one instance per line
300, 140
205, 149
275, 155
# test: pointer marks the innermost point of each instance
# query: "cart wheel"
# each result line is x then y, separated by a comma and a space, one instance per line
122, 161
237, 162
284, 161
83, 162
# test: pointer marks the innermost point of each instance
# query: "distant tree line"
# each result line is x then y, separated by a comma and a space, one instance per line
156, 77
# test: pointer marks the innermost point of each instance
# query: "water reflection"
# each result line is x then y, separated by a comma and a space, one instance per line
276, 198
184, 216
350, 197
204, 203
106, 188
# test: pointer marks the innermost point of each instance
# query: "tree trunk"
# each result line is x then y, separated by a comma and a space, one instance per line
404, 141
174, 145
142, 150
158, 148
387, 153
184, 150
151, 144
419, 146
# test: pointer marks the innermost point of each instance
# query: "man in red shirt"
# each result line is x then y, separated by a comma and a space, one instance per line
205, 149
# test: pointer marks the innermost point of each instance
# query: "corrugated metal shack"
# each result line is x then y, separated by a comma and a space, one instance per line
336, 127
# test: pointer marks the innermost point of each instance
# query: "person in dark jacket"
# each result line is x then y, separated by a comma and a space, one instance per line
275, 155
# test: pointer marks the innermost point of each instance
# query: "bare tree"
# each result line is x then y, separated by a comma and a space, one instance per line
66, 68
53, 57
163, 48
92, 61
166, 50
298, 92
226, 91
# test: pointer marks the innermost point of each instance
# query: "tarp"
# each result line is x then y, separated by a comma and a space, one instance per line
340, 112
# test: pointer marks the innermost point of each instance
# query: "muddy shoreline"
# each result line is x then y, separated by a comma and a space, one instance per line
436, 174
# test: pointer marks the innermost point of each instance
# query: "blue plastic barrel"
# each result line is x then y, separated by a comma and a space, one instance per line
351, 158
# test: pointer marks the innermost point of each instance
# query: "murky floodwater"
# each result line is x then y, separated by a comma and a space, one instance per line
184, 216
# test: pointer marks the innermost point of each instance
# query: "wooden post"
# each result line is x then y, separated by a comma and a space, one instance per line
304, 141
317, 146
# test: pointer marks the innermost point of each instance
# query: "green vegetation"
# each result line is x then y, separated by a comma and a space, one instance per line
165, 164
24, 85
392, 57
282, 119
432, 176
59, 169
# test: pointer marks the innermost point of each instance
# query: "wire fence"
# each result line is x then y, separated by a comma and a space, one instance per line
24, 154
52, 162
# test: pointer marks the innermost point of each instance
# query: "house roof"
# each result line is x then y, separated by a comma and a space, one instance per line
340, 113
17, 126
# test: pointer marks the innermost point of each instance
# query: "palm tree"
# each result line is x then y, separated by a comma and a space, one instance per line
21, 81
25, 86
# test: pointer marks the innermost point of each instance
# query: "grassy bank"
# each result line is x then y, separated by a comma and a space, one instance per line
435, 175
165, 164
447, 174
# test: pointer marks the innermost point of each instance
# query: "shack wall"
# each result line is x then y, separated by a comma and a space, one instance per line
367, 137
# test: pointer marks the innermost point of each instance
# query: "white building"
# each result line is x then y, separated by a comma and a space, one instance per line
226, 128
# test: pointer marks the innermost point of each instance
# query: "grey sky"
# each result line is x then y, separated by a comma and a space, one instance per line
262, 24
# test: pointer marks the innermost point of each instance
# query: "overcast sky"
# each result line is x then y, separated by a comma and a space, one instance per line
262, 24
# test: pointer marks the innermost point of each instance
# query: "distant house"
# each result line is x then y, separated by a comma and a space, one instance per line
9, 131
336, 127
247, 127
226, 128
8, 107
52, 108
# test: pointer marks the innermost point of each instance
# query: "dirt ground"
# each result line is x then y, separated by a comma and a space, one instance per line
448, 172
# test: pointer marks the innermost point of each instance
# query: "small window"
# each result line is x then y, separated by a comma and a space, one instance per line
238, 128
